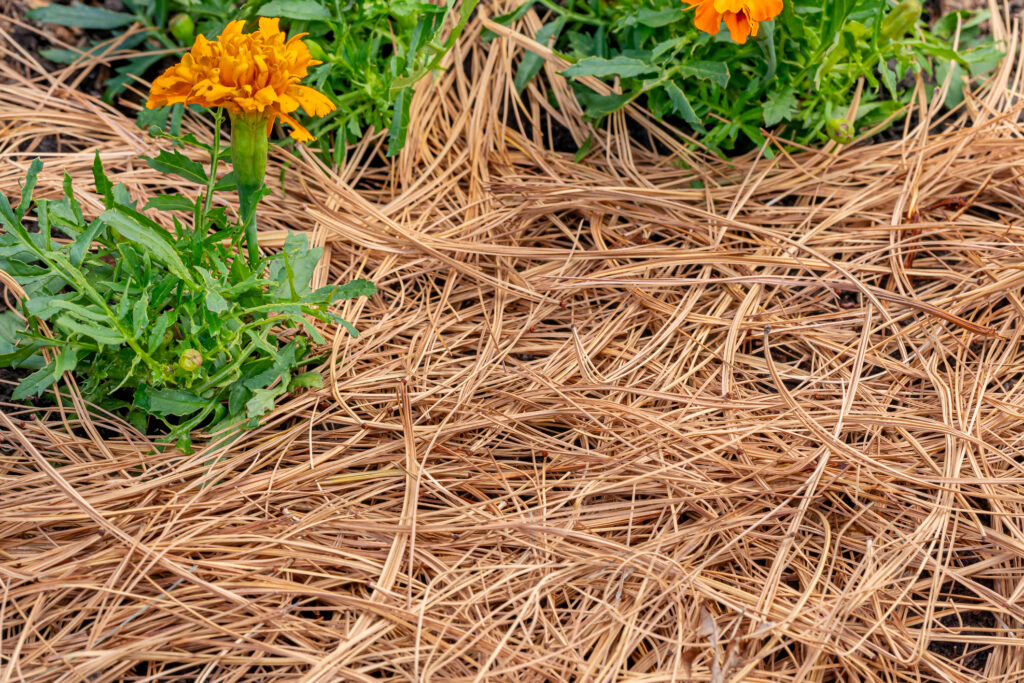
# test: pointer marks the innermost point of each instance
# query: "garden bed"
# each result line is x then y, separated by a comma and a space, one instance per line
614, 420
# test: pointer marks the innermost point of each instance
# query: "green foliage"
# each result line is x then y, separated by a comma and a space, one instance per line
164, 329
373, 51
800, 72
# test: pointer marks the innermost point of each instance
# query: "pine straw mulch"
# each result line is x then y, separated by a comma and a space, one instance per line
609, 421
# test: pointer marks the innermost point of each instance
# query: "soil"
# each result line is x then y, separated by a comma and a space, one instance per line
8, 380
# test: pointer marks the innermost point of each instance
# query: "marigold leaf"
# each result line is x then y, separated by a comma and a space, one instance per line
163, 402
215, 302
262, 401
26, 190
399, 122
100, 333
658, 18
35, 384
302, 10
532, 63
716, 72
103, 184
140, 315
178, 164
624, 67
170, 202
779, 106
153, 239
681, 104
81, 16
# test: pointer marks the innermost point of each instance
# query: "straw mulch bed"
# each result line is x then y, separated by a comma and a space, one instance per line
609, 421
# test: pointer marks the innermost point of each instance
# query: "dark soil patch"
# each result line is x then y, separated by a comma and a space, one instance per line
9, 378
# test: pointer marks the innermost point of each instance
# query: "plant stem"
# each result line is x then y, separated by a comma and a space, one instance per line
211, 181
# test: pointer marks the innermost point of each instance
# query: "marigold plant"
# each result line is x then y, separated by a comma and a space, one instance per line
694, 64
255, 78
178, 330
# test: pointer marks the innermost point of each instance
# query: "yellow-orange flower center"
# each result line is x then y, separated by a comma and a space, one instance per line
741, 17
253, 74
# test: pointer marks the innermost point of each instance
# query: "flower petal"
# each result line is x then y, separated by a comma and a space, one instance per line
708, 19
314, 103
739, 27
298, 132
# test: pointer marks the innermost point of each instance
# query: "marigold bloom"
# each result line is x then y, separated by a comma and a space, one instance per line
741, 16
253, 75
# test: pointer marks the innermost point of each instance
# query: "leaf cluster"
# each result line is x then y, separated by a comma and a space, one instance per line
373, 51
800, 72
171, 331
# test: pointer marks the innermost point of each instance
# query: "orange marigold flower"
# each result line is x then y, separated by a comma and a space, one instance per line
255, 75
741, 16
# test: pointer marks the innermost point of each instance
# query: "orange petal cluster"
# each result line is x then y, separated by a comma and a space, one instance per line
741, 16
253, 74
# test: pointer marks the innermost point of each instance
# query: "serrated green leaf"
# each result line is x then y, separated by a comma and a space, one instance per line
159, 331
307, 380
81, 16
888, 78
658, 18
287, 357
140, 315
215, 302
170, 202
350, 290
41, 380
153, 239
227, 184
100, 333
103, 184
164, 402
681, 104
302, 10
624, 67
780, 105
531, 63
262, 402
399, 122
178, 164
293, 267
80, 247
26, 189
716, 72
598, 106
35, 384
983, 60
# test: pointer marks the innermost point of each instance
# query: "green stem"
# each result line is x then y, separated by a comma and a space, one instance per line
251, 238
211, 181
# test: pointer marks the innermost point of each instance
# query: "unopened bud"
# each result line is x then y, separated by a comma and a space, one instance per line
182, 28
316, 51
190, 361
840, 130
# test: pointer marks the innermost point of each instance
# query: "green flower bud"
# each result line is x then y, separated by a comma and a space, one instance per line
190, 361
315, 50
901, 19
182, 28
840, 130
